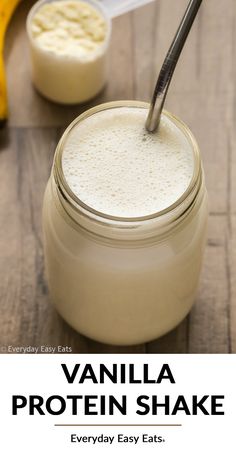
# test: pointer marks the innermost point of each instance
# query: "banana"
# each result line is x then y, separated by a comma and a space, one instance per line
7, 8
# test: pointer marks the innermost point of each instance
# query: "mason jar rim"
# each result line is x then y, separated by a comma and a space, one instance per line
119, 221
97, 5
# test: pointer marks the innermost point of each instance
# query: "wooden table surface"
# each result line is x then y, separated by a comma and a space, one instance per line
202, 93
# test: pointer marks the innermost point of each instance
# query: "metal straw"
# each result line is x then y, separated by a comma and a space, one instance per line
169, 65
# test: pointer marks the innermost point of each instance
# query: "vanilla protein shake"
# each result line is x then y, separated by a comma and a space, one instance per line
114, 166
124, 223
69, 45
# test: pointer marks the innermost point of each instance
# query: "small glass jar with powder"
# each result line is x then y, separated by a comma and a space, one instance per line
125, 218
69, 43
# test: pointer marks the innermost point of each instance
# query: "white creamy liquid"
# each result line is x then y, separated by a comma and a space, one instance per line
69, 43
114, 166
125, 282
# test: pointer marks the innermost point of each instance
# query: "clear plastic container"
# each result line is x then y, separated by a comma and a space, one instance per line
69, 79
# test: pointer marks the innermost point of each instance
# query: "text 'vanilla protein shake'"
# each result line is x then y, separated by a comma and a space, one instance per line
69, 42
125, 215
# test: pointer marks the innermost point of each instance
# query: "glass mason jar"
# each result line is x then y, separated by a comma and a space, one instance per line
120, 280
65, 78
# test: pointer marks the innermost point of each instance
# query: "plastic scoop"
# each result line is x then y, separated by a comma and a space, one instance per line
118, 7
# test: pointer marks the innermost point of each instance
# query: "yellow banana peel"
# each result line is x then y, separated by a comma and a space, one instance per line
7, 8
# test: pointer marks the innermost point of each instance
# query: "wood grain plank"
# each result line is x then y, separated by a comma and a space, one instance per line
144, 24
232, 282
231, 249
10, 259
120, 86
231, 139
169, 15
203, 63
209, 319
24, 168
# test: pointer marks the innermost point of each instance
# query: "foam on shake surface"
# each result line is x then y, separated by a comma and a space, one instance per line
115, 167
